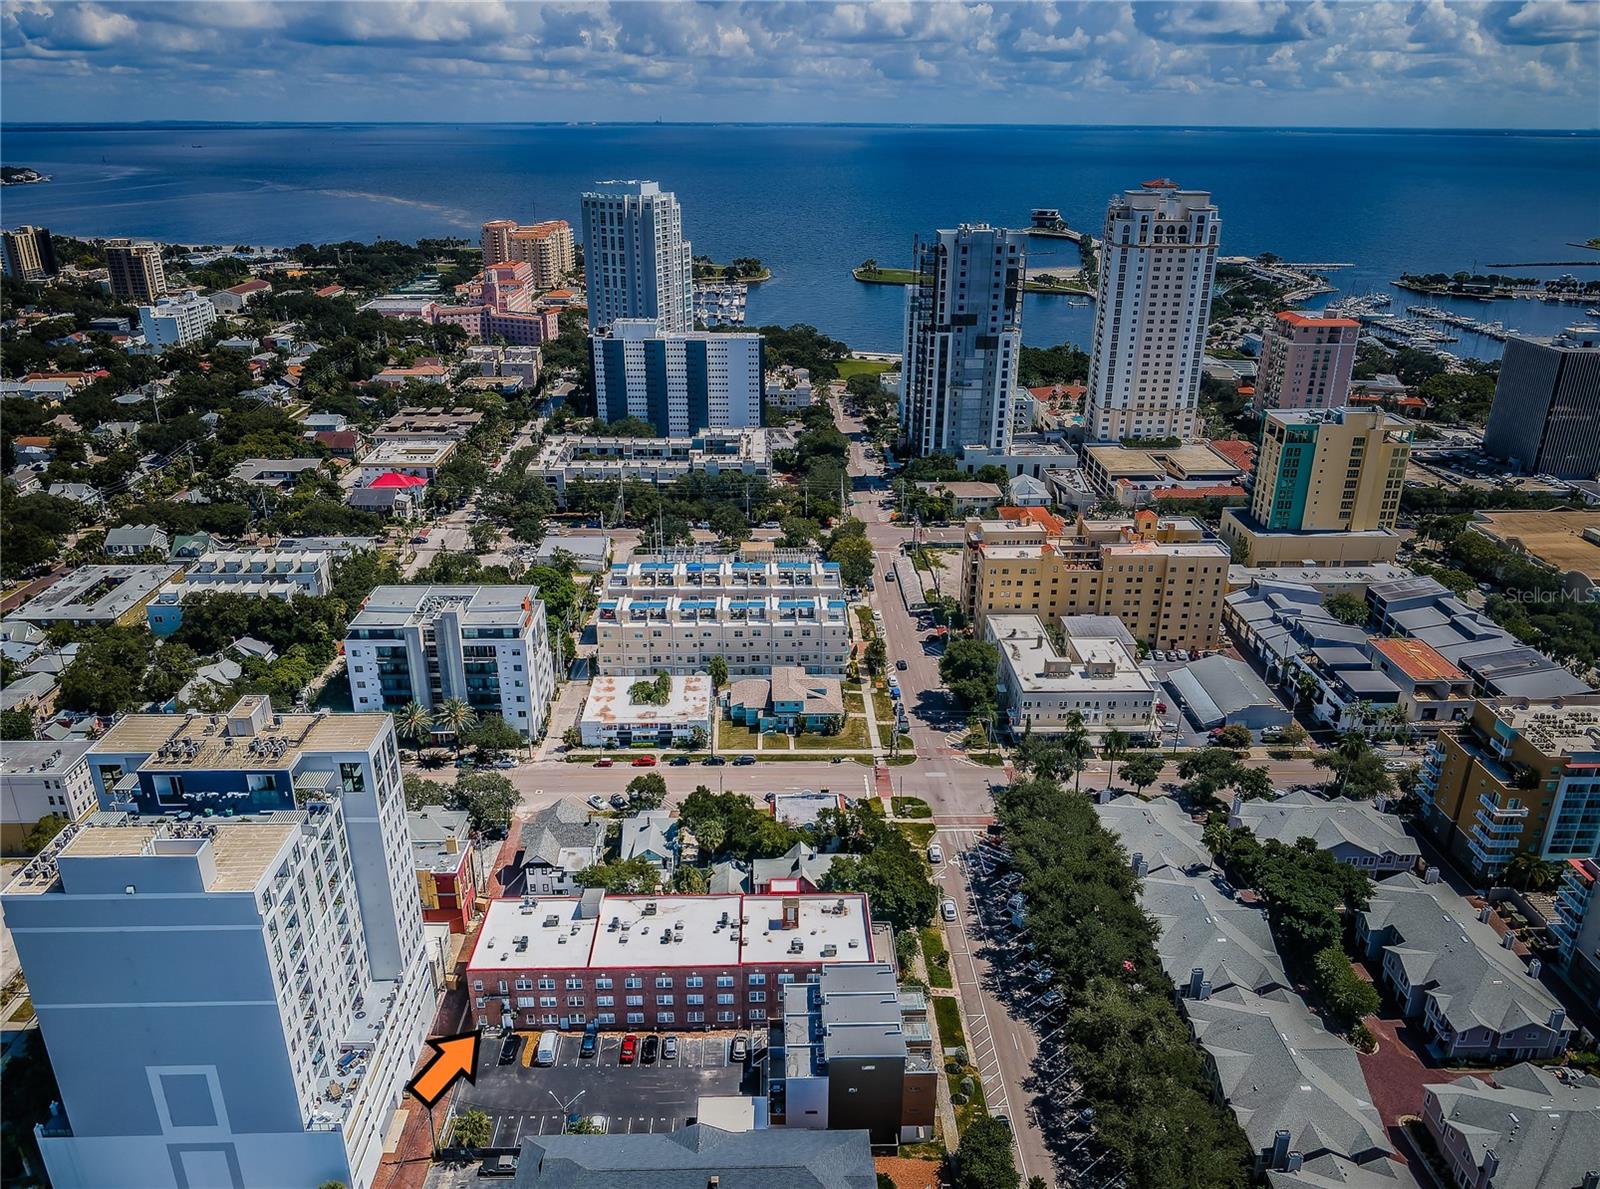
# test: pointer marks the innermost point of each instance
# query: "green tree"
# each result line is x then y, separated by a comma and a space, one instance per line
984, 1159
1234, 735
16, 724
854, 555
472, 1129
648, 791
876, 656
44, 831
1531, 873
1346, 608
717, 667
493, 736
484, 536
711, 835
1142, 768
970, 669
1348, 997
1357, 769
488, 798
456, 717
1114, 746
414, 722
893, 876
632, 877
421, 792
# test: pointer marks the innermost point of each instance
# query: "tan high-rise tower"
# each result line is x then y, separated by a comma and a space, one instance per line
136, 270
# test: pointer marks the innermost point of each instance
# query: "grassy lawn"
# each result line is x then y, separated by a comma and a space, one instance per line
912, 807
862, 367
883, 709
947, 1013
936, 956
919, 834
852, 735
733, 736
868, 628
887, 276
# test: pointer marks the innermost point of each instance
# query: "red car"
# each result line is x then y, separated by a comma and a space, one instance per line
604, 762
630, 1048
644, 761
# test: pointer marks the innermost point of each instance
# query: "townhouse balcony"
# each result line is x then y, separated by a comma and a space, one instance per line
1501, 812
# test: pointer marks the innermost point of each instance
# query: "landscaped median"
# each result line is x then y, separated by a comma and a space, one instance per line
966, 1086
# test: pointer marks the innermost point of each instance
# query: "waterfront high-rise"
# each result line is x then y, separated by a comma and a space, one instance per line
227, 961
27, 254
636, 262
680, 383
136, 270
546, 247
1546, 414
963, 339
1158, 257
1306, 362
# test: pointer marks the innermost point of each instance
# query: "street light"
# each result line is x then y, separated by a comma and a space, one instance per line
566, 1107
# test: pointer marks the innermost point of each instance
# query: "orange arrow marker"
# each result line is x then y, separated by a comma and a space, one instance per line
453, 1057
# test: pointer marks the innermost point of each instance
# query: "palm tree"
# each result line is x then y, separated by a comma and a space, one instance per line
1114, 746
713, 832
456, 717
1076, 749
414, 722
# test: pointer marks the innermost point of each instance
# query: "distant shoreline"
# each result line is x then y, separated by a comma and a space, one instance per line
145, 125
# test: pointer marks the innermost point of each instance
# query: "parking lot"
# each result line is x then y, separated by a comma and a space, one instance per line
525, 1100
1015, 1034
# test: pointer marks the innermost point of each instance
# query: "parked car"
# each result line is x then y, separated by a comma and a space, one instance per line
510, 1049
604, 762
740, 1049
591, 1040
498, 1166
630, 1049
714, 761
947, 909
597, 803
644, 761
669, 1049
648, 1051
743, 760
679, 761
618, 801
503, 762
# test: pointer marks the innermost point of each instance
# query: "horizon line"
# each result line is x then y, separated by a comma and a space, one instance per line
778, 123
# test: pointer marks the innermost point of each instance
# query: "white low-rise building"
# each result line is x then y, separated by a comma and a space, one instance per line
1095, 676
421, 457
486, 645
611, 717
676, 612
176, 321
566, 458
254, 573
40, 780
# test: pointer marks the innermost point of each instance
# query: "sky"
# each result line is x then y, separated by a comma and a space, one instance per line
1326, 63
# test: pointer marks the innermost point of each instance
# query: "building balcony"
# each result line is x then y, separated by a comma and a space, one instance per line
1499, 811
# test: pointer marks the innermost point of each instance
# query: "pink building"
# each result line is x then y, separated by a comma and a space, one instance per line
506, 288
1306, 362
503, 305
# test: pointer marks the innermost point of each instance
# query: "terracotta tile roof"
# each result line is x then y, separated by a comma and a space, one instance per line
1294, 319
1215, 491
1237, 451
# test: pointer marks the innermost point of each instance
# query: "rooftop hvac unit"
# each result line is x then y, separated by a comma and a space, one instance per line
562, 939
551, 921
649, 908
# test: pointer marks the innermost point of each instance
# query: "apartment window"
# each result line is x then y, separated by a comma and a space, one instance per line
602, 984
758, 996
694, 980
636, 1017
663, 1000
724, 998
604, 1001
757, 980
723, 980
547, 1001
694, 1000
635, 1000
574, 984
632, 982
663, 981
547, 984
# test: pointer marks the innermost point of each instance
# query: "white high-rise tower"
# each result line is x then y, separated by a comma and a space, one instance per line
963, 340
636, 262
1158, 256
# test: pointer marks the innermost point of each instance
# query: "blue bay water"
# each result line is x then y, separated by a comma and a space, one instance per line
813, 201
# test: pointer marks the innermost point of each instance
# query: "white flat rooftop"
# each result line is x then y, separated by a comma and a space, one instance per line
557, 938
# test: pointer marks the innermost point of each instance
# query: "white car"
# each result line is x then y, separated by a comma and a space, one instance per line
947, 909
935, 853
